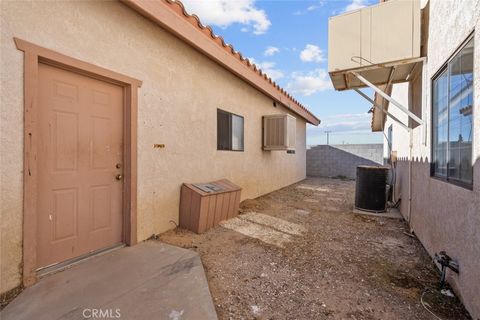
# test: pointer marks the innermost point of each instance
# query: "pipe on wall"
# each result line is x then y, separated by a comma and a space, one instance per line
410, 158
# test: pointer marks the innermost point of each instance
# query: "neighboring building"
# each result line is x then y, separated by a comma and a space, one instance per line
94, 150
438, 178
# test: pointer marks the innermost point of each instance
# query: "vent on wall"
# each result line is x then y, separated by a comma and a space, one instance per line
279, 132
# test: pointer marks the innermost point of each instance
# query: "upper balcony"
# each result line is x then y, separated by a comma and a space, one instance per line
380, 43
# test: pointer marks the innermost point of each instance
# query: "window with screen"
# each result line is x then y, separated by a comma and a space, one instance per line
452, 106
229, 131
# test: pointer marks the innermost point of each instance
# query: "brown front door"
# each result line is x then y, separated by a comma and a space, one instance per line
80, 154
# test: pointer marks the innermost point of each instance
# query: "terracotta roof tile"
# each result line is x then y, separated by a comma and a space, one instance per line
178, 7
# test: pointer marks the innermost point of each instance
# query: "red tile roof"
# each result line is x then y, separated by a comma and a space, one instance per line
160, 12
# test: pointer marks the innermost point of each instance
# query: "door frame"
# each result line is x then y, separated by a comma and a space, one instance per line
33, 56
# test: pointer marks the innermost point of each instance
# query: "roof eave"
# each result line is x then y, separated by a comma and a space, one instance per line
168, 15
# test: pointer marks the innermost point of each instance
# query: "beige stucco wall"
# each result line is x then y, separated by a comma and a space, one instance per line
177, 107
444, 216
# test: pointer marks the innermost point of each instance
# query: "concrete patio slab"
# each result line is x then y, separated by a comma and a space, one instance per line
151, 280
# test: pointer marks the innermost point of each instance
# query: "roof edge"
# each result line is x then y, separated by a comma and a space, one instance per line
172, 16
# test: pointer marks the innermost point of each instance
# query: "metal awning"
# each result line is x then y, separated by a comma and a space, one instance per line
380, 78
376, 47
377, 74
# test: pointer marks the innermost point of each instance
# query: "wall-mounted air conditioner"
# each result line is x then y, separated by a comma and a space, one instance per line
382, 33
373, 41
279, 132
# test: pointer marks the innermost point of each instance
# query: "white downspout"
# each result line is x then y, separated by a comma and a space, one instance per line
410, 158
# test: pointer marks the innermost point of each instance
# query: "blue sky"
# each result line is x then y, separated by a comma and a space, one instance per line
288, 40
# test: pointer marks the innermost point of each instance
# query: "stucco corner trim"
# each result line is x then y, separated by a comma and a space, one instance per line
33, 56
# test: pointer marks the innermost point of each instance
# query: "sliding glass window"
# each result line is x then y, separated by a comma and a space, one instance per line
452, 106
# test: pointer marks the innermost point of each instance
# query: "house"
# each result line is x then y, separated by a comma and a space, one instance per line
427, 105
107, 108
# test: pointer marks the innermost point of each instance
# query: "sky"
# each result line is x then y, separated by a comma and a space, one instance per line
288, 40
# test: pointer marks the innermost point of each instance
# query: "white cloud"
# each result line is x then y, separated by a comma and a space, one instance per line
274, 74
270, 51
310, 8
308, 84
350, 127
268, 67
312, 53
355, 4
350, 122
223, 13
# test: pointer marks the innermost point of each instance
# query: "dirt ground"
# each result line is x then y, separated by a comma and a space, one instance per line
300, 253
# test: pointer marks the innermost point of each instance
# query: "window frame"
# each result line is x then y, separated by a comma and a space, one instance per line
446, 67
230, 133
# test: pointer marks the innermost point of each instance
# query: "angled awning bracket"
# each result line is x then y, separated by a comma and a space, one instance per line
379, 107
390, 76
387, 97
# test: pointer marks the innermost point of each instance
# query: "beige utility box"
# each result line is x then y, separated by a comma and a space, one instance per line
386, 32
279, 132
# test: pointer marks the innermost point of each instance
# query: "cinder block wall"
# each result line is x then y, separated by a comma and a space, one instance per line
342, 160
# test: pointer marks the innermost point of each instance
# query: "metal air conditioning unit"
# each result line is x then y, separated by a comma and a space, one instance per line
279, 132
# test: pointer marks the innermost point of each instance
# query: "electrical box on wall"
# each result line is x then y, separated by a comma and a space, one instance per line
279, 132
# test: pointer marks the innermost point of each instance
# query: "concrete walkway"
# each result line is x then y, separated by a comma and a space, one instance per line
151, 280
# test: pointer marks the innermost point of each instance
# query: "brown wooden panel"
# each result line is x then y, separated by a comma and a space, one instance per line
181, 212
237, 202
231, 205
218, 209
227, 187
200, 210
184, 206
225, 205
189, 209
212, 207
203, 216
195, 212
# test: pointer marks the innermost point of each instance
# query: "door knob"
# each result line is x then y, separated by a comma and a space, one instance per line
119, 177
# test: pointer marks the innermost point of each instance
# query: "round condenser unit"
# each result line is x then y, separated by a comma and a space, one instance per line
371, 188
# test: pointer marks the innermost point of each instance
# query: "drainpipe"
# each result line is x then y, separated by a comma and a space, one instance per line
410, 158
